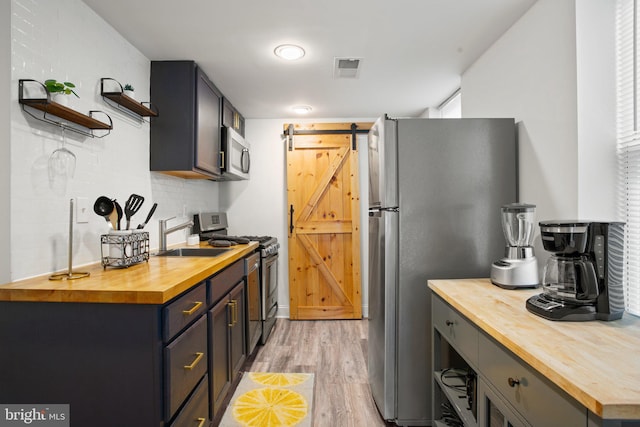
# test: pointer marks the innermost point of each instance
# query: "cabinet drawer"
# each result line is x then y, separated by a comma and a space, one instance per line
180, 313
196, 411
457, 330
220, 284
185, 362
540, 402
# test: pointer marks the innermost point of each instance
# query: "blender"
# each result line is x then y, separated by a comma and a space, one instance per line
519, 267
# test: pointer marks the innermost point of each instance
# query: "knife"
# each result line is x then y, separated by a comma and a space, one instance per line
153, 209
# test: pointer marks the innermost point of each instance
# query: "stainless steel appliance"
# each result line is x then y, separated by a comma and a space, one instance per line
434, 187
519, 266
254, 314
582, 280
212, 226
235, 156
268, 248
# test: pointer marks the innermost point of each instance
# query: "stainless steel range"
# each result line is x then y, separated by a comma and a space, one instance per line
268, 248
212, 227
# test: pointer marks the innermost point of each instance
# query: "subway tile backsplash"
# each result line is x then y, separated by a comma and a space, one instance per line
66, 40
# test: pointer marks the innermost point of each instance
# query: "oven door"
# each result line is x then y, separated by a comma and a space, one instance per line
269, 286
236, 160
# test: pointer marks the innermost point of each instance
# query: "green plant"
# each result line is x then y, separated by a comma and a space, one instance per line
54, 86
128, 87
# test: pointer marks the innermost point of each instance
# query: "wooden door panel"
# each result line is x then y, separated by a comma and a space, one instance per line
324, 243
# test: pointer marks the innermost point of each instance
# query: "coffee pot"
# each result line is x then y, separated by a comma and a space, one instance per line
573, 280
582, 280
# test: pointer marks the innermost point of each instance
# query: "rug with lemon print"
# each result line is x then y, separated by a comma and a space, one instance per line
266, 399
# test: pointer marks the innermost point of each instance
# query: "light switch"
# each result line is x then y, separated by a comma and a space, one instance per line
82, 210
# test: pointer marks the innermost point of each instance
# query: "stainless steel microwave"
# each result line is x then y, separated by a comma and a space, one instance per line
235, 157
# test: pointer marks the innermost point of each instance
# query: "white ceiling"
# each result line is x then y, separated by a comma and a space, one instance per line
413, 51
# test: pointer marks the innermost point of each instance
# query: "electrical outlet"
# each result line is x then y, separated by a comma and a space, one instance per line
82, 210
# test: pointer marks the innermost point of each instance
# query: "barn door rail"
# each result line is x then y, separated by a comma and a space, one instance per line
290, 132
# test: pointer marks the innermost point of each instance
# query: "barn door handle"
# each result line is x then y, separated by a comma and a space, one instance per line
291, 219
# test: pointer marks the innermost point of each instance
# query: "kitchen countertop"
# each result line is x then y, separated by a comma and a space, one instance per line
595, 362
154, 282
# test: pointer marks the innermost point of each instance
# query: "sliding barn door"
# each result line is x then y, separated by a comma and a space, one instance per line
324, 221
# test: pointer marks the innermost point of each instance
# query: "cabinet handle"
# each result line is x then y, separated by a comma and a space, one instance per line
222, 159
201, 421
193, 309
235, 311
195, 362
230, 305
512, 382
450, 323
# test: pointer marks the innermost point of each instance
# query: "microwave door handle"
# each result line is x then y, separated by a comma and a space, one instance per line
242, 162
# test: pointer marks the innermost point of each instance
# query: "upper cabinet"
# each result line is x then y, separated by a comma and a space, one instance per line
185, 137
231, 118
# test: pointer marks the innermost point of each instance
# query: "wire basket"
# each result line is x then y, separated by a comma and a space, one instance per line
123, 249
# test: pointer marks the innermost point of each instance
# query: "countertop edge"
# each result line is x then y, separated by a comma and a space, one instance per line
39, 289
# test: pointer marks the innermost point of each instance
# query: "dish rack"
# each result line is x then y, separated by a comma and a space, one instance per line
124, 250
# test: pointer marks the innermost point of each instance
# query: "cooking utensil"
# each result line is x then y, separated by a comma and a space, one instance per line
153, 209
104, 207
132, 206
118, 212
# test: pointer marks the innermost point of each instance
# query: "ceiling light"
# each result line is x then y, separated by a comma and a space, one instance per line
289, 52
302, 109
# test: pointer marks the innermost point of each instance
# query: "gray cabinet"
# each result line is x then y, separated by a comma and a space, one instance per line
496, 388
231, 117
227, 338
128, 364
186, 137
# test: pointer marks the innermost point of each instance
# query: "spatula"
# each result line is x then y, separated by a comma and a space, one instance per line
132, 207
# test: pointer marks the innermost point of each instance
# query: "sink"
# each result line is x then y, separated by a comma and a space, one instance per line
210, 252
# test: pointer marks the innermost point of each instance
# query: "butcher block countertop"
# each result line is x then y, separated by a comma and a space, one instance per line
597, 362
154, 282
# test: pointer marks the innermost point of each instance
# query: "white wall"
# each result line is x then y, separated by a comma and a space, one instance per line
554, 72
259, 205
5, 146
65, 40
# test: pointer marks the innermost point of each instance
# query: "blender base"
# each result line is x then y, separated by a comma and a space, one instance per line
555, 310
510, 273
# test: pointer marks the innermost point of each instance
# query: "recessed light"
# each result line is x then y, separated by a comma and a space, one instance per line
289, 52
302, 109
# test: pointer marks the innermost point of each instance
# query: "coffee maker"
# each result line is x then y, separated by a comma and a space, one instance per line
519, 267
583, 278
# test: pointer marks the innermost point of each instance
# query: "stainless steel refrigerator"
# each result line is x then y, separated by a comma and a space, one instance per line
435, 191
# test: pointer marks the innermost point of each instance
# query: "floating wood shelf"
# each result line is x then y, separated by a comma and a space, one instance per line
50, 108
122, 100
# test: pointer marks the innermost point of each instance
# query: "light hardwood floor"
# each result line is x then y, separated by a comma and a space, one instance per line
336, 352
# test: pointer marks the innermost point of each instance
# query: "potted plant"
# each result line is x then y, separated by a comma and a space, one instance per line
59, 90
129, 91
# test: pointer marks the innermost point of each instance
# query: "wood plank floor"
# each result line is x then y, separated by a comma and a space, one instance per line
336, 352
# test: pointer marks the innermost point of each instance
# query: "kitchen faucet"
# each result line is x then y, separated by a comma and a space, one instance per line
164, 231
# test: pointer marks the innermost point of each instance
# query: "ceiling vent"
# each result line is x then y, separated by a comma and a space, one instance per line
346, 68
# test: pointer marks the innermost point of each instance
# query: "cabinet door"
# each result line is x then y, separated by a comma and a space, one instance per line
207, 125
237, 336
493, 411
219, 372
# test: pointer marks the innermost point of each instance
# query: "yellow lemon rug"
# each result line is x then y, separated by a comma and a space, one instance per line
266, 399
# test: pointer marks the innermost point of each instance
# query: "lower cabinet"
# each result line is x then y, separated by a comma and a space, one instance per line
115, 364
227, 338
478, 382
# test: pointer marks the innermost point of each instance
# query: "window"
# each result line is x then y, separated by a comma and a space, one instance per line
628, 130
